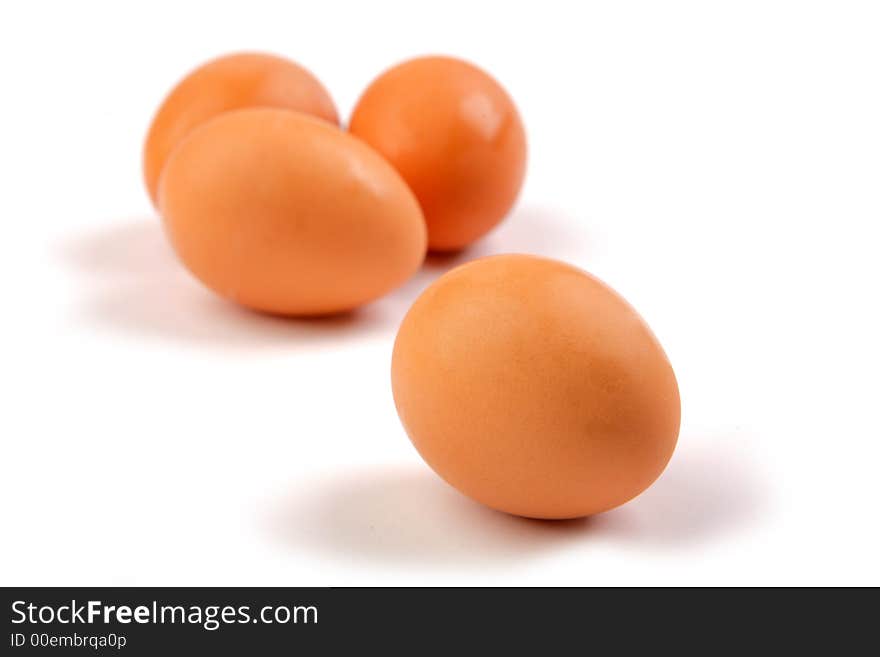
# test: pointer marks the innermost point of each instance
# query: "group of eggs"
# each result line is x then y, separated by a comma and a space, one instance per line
526, 383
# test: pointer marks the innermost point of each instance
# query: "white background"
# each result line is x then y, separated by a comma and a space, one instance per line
716, 162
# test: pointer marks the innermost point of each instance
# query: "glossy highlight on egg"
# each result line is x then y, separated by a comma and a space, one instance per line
455, 136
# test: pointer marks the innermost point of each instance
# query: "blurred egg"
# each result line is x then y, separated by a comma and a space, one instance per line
227, 83
287, 214
534, 388
455, 136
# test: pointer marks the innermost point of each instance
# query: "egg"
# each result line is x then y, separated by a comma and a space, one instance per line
287, 214
534, 388
227, 83
455, 136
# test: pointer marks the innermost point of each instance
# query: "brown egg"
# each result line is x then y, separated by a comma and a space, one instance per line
534, 388
456, 138
227, 83
287, 214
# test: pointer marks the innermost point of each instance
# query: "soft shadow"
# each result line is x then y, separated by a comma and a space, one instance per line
130, 248
542, 231
410, 516
711, 487
529, 229
132, 284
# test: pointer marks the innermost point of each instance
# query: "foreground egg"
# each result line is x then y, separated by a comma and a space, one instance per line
286, 214
455, 136
228, 83
534, 388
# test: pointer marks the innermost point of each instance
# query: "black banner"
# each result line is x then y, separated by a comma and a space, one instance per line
268, 621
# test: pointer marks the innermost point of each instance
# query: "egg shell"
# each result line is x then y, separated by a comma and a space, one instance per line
287, 214
227, 83
455, 136
534, 388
